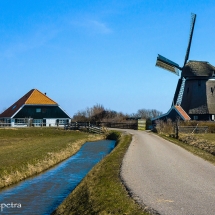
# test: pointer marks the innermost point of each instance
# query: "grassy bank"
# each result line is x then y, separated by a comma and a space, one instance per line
101, 191
27, 151
190, 142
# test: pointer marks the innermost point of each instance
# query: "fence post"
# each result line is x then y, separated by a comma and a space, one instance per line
176, 129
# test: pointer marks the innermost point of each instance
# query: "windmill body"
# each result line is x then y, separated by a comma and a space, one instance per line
198, 99
195, 92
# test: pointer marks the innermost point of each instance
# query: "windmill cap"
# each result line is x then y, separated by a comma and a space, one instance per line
198, 68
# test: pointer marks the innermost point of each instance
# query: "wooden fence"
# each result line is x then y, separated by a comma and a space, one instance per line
192, 129
123, 125
99, 127
85, 126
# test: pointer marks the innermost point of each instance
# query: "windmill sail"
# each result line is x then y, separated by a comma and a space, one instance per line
167, 64
177, 91
193, 20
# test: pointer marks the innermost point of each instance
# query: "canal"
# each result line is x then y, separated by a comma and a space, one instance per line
42, 194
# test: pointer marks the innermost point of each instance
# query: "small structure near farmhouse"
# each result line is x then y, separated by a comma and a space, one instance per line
142, 124
175, 113
34, 109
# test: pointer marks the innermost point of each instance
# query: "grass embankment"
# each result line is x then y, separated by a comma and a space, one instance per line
101, 191
201, 145
28, 151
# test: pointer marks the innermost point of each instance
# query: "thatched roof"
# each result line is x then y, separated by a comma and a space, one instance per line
198, 68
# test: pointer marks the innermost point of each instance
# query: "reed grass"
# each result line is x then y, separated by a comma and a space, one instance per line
25, 152
193, 149
210, 137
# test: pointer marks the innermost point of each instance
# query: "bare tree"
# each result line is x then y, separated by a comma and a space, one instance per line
81, 116
148, 113
98, 113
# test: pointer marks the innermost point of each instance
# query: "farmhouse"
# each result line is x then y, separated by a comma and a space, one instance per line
35, 109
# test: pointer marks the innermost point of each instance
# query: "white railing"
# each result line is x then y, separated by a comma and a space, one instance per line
3, 124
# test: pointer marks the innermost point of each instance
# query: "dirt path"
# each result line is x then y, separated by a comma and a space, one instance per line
167, 178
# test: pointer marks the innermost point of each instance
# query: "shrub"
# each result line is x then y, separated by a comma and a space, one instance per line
165, 127
113, 135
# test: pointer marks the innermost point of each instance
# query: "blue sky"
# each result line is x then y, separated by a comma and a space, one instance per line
83, 53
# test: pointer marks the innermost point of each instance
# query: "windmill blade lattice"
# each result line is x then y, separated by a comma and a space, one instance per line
167, 64
193, 20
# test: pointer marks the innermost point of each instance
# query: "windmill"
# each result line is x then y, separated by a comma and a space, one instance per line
195, 91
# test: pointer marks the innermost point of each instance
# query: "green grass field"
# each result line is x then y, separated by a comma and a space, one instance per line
28, 151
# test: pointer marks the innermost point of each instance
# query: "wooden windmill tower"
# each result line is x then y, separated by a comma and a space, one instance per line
195, 91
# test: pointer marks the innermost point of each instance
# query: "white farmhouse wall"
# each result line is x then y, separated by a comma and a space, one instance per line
51, 122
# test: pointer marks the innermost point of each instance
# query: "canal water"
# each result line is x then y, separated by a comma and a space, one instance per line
42, 194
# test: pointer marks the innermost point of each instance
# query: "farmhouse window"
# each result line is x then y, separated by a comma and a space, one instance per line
37, 122
8, 120
38, 110
19, 120
62, 121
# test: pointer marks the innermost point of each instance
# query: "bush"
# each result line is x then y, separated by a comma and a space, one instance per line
113, 135
165, 127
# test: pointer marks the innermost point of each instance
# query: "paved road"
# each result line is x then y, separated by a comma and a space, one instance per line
167, 178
